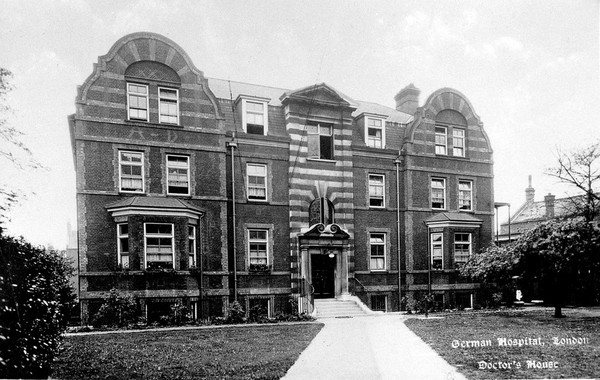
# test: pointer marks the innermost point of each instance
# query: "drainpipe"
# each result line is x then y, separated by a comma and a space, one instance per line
398, 162
233, 145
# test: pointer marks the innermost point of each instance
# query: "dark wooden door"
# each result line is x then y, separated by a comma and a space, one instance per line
323, 276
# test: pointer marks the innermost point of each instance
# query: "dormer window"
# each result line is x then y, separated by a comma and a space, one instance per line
168, 105
255, 117
375, 133
320, 140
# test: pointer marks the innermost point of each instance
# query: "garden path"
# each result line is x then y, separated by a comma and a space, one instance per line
370, 347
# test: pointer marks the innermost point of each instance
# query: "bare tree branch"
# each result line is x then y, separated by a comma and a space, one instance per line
581, 169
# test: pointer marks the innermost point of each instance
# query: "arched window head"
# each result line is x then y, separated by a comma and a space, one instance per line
321, 211
154, 71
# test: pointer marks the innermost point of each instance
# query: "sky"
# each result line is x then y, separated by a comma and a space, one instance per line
530, 69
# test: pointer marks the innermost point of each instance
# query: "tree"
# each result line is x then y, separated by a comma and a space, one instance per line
564, 255
35, 304
12, 148
581, 169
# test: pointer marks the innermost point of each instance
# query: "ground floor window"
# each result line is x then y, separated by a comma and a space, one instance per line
158, 239
437, 251
464, 300
438, 302
257, 246
379, 302
258, 308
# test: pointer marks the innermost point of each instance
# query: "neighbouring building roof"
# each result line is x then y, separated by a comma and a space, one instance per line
225, 89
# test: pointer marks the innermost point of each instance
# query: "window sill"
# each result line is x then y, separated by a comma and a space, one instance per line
262, 201
377, 207
131, 192
378, 271
324, 160
150, 123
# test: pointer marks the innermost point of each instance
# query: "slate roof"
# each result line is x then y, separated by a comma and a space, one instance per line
535, 211
453, 217
221, 89
153, 202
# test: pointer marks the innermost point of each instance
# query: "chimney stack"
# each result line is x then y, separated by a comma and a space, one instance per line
407, 100
529, 192
549, 200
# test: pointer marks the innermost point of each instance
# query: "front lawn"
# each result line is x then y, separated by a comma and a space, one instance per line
515, 344
253, 352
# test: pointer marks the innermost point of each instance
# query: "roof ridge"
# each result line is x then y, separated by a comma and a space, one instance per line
251, 84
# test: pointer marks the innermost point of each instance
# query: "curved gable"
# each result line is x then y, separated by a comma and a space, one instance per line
151, 56
447, 106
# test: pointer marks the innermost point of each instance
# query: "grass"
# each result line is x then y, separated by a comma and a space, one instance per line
253, 352
574, 361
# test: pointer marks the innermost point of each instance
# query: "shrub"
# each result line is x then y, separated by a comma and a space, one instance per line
118, 310
34, 307
179, 314
235, 313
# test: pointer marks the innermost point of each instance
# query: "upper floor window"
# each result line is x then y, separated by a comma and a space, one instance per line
137, 101
458, 142
168, 105
375, 133
255, 117
462, 247
320, 140
159, 245
438, 193
377, 251
441, 144
123, 245
376, 190
257, 181
465, 195
131, 172
191, 246
178, 175
257, 246
437, 251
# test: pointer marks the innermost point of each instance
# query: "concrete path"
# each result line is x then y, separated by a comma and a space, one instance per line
373, 347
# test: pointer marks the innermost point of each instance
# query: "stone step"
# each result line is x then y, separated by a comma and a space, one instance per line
329, 308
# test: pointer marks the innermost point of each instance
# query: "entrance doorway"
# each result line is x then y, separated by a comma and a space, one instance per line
323, 275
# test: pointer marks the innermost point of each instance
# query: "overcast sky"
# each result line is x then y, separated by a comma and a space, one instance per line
530, 69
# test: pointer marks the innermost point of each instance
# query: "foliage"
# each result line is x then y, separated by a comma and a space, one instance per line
260, 268
235, 313
118, 310
581, 169
34, 308
179, 314
494, 267
561, 254
11, 147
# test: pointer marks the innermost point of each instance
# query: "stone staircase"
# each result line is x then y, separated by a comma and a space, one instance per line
333, 308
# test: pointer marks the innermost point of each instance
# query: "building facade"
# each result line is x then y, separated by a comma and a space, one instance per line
199, 190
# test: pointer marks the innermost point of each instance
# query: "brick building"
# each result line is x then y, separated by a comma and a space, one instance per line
199, 190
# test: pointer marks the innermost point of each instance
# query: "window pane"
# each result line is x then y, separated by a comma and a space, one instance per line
326, 147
